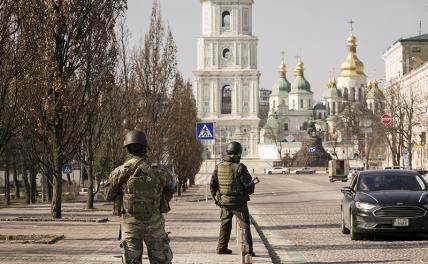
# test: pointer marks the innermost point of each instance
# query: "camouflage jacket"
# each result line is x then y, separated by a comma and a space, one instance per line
116, 184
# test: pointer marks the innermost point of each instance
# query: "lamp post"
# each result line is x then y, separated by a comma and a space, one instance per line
367, 129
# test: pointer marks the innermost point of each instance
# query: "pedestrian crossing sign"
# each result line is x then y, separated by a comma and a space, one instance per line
204, 131
67, 168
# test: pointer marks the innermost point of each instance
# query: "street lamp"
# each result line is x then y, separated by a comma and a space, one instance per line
367, 129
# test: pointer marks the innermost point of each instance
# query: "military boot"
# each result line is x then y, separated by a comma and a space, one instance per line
224, 251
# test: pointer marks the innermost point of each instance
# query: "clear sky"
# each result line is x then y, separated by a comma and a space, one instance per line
316, 30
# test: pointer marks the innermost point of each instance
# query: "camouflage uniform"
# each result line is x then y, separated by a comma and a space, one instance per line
141, 188
231, 184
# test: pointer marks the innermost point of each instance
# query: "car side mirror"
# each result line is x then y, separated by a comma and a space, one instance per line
346, 190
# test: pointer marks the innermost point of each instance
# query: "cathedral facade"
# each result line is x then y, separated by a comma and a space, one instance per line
292, 107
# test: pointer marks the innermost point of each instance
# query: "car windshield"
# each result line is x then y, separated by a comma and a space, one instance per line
381, 182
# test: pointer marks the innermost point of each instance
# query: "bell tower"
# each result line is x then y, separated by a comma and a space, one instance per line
227, 79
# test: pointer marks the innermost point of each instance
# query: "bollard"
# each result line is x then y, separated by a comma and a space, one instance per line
245, 248
248, 259
238, 234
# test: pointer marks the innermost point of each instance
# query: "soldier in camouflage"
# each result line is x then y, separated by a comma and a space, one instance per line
141, 192
231, 186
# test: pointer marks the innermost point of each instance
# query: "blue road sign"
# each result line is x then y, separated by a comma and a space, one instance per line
312, 149
204, 131
67, 168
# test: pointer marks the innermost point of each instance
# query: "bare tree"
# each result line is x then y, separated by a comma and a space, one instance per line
154, 71
185, 152
64, 100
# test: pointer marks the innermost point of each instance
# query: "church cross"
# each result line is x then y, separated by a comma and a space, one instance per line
283, 56
351, 22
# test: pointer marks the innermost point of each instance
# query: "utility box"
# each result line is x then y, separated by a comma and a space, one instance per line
338, 170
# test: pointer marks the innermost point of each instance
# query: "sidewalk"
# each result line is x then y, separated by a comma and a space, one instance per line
193, 223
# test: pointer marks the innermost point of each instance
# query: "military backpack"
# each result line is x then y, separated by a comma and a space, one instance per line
142, 194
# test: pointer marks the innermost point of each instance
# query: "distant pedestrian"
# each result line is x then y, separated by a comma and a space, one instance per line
141, 192
231, 186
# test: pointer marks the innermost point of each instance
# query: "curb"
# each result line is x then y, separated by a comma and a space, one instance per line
272, 254
283, 257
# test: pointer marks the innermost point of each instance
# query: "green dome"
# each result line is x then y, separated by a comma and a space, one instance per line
332, 93
281, 87
374, 91
300, 84
320, 106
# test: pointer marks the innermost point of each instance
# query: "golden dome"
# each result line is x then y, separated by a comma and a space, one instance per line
282, 70
329, 83
333, 83
352, 66
299, 68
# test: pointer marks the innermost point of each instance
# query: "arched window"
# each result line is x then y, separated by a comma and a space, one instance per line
319, 116
334, 108
301, 103
345, 94
286, 127
225, 21
273, 104
360, 94
226, 100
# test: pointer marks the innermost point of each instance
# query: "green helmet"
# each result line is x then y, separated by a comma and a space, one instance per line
135, 137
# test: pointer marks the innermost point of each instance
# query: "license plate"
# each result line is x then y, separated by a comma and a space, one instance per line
400, 222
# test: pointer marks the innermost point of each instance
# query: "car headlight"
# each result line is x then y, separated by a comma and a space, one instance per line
364, 206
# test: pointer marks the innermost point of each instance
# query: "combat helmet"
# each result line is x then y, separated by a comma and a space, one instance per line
135, 141
234, 148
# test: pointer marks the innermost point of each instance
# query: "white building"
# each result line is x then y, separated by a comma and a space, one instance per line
227, 79
406, 67
291, 110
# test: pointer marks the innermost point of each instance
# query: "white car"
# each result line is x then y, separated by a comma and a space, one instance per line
278, 170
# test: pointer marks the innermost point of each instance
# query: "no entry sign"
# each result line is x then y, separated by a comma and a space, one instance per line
386, 119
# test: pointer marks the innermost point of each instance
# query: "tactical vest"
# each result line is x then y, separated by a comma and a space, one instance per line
142, 196
229, 184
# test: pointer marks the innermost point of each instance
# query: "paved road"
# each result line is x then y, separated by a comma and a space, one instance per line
299, 215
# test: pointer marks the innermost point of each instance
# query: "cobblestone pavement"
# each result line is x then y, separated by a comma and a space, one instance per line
193, 224
300, 216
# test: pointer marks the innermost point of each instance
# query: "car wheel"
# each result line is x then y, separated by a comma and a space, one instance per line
343, 226
297, 172
269, 172
284, 172
354, 235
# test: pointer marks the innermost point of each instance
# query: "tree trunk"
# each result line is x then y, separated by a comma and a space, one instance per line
91, 195
179, 188
184, 185
49, 181
192, 180
33, 185
6, 184
57, 184
15, 181
26, 186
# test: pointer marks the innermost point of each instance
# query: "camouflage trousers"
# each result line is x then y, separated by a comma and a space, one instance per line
241, 212
152, 233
